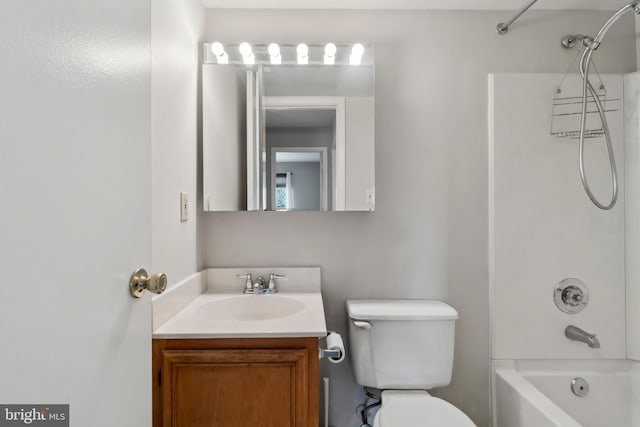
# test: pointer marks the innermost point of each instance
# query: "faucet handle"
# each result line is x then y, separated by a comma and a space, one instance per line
273, 277
249, 282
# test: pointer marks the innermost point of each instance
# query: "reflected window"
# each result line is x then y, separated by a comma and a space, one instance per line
282, 192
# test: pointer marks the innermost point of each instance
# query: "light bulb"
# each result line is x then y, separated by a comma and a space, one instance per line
302, 49
217, 48
274, 49
330, 49
357, 49
303, 54
245, 49
356, 54
247, 54
274, 54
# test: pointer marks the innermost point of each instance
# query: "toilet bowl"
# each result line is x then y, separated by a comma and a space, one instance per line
402, 408
404, 348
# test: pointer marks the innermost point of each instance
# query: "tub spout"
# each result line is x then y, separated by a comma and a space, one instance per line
576, 334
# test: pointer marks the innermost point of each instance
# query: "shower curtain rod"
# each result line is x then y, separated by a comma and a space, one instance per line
503, 27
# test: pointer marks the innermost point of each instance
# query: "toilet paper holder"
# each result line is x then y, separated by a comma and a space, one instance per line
329, 353
335, 350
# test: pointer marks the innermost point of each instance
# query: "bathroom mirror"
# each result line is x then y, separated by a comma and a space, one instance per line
290, 134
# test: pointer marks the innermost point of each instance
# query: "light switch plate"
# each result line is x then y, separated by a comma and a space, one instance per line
184, 207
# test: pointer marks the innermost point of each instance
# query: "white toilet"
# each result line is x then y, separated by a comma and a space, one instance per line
404, 348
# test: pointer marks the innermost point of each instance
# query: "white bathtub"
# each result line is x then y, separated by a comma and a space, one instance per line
537, 393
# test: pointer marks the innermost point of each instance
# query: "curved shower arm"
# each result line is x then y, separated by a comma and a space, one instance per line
597, 40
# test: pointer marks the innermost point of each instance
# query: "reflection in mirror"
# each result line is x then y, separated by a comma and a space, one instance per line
288, 137
224, 138
306, 134
307, 190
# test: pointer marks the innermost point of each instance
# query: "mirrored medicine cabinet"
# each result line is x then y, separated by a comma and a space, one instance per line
288, 127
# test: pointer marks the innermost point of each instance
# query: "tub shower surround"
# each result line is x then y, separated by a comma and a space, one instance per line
543, 231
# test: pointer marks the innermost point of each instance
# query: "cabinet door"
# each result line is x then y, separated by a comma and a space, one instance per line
235, 388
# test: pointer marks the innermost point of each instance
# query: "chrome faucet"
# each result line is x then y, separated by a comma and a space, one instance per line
260, 286
576, 334
252, 287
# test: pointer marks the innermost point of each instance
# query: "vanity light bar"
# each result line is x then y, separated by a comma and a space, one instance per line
283, 54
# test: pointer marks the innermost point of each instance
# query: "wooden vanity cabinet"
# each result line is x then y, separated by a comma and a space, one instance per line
235, 382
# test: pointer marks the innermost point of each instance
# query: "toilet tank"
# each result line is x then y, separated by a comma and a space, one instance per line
401, 344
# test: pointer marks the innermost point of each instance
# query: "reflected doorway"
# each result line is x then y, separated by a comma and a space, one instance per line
299, 179
304, 153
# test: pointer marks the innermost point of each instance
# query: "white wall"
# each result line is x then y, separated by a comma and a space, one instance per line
177, 29
632, 222
428, 237
543, 228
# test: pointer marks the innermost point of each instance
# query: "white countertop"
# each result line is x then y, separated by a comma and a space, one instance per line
224, 315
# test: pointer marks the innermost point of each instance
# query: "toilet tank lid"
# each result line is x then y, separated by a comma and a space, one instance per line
400, 309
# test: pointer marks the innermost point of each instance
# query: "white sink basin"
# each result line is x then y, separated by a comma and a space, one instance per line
234, 315
250, 308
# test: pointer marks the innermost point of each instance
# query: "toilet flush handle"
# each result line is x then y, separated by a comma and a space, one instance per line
362, 324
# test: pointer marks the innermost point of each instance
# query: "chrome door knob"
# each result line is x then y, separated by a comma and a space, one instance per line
141, 281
